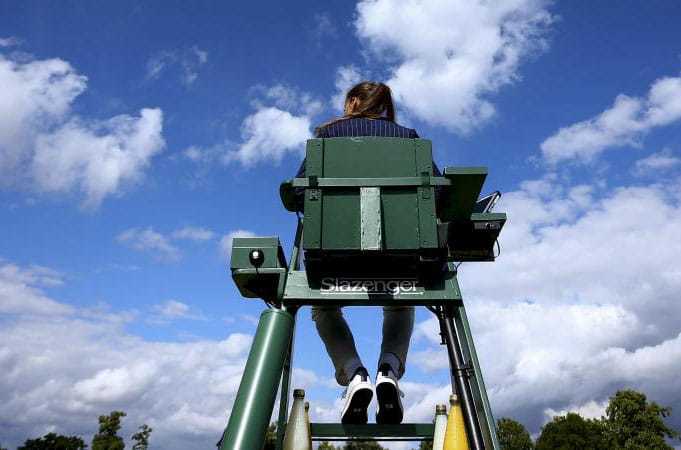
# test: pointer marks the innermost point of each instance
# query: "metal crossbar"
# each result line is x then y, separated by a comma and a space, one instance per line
372, 182
372, 432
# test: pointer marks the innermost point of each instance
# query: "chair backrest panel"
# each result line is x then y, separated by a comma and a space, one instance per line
333, 219
341, 219
369, 157
401, 219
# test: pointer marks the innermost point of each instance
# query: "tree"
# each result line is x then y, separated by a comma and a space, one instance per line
1, 447
634, 423
513, 435
326, 446
573, 432
271, 437
426, 445
141, 438
53, 441
107, 437
363, 445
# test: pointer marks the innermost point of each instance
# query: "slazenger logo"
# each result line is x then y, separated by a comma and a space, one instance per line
369, 286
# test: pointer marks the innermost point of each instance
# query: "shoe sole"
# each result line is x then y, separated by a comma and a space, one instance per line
357, 410
389, 410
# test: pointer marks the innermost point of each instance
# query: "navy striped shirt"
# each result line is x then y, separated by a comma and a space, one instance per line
361, 126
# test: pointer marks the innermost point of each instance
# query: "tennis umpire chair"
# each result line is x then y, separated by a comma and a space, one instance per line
378, 229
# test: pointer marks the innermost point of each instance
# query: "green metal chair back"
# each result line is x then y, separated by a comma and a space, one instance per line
369, 204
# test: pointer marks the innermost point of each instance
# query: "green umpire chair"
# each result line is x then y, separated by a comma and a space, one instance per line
379, 228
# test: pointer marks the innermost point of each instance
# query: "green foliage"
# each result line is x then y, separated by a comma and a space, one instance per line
426, 445
513, 435
141, 438
271, 437
360, 445
107, 437
634, 423
573, 432
326, 446
52, 441
363, 445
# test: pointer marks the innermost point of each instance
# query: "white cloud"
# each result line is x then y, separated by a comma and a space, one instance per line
323, 27
21, 293
60, 374
149, 240
65, 366
97, 158
446, 58
346, 78
117, 384
187, 61
45, 148
161, 245
193, 234
656, 163
172, 310
288, 99
584, 296
9, 42
279, 125
34, 92
269, 134
589, 410
226, 241
622, 125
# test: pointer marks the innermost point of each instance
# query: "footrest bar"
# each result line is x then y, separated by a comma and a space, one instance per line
372, 432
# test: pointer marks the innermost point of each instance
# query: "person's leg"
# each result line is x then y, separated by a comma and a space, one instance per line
337, 337
340, 345
398, 324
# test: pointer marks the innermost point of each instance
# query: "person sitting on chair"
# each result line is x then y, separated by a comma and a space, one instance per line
369, 111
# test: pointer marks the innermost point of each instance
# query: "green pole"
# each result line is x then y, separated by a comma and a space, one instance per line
254, 401
479, 384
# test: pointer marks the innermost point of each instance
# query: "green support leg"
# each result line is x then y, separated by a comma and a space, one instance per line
284, 393
486, 419
254, 401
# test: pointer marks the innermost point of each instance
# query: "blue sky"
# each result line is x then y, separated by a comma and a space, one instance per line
136, 140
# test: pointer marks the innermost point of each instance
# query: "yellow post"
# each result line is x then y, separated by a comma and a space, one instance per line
455, 436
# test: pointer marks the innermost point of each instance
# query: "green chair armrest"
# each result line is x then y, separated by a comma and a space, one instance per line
287, 193
458, 199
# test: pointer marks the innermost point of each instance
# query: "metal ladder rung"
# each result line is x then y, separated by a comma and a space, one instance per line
372, 432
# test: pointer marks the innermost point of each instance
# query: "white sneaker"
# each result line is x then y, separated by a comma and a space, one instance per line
357, 397
388, 397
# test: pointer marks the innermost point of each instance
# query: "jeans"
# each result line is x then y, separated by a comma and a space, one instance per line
398, 324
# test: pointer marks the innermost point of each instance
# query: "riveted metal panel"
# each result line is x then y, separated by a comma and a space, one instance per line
340, 219
367, 157
426, 196
400, 219
314, 167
